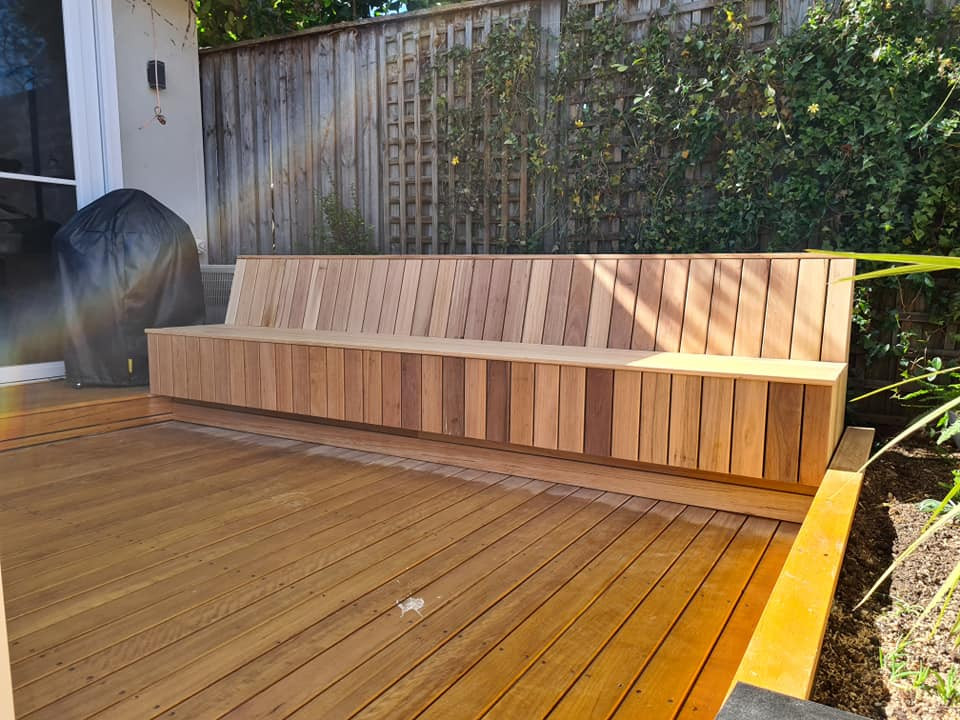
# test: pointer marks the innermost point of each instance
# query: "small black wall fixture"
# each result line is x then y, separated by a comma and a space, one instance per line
156, 75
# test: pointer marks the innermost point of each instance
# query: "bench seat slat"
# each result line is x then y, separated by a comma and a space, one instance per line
731, 366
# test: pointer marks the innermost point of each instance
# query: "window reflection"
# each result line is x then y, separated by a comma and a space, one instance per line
35, 129
30, 314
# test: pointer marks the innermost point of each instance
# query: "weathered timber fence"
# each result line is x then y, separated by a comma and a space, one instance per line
339, 109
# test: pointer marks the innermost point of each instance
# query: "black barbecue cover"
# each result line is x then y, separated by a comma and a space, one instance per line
127, 262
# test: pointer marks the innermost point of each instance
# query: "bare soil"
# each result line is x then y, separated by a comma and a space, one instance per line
850, 676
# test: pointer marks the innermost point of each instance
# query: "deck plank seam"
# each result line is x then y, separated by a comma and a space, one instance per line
499, 480
590, 601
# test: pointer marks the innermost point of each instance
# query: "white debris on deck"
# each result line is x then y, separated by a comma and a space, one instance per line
411, 603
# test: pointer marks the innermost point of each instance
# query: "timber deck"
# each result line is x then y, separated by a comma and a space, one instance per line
42, 412
184, 572
54, 394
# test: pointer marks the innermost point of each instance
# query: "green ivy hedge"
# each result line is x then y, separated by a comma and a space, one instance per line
842, 135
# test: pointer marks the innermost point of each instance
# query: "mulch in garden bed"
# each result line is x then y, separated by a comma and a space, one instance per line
850, 676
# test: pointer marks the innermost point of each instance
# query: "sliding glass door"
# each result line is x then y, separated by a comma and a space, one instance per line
37, 184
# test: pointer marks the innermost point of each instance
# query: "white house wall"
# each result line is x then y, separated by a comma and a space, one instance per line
165, 160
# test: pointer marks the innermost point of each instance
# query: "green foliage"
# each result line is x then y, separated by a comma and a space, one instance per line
220, 22
490, 129
880, 177
922, 678
342, 230
822, 139
668, 142
949, 501
842, 135
947, 510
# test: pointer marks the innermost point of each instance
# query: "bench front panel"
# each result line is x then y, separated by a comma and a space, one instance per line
776, 431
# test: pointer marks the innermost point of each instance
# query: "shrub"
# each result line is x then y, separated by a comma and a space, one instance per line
842, 135
341, 230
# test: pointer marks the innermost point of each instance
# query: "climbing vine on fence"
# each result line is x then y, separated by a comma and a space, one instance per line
598, 158
646, 127
695, 140
491, 133
843, 134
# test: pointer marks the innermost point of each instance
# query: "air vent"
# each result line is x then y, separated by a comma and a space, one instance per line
217, 280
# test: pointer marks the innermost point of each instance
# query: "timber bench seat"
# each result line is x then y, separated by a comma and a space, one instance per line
721, 366
724, 366
577, 400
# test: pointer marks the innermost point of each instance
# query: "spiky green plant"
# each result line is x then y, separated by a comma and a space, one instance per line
946, 511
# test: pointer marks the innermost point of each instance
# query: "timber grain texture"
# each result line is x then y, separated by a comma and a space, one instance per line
354, 111
800, 603
180, 571
722, 364
519, 402
39, 413
783, 502
741, 305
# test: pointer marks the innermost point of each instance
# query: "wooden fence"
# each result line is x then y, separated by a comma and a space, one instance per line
340, 110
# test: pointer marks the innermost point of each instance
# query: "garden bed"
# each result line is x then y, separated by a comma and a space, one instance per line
851, 676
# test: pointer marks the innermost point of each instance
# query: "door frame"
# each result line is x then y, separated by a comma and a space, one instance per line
94, 128
92, 89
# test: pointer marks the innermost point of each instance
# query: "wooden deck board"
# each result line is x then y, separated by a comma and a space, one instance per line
127, 570
668, 676
703, 703
280, 560
205, 572
348, 635
32, 397
44, 412
653, 536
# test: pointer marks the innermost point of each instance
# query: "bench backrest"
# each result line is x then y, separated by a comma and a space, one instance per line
774, 305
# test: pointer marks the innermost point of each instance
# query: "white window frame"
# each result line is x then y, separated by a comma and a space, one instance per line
94, 128
92, 88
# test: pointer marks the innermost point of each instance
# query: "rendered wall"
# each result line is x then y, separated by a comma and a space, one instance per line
165, 160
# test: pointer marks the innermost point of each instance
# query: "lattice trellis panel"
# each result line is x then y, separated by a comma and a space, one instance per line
416, 172
684, 15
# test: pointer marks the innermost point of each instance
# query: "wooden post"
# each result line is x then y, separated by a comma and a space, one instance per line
6, 684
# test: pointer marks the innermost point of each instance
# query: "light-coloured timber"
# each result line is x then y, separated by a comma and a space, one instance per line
57, 394
782, 502
719, 363
673, 420
38, 413
281, 579
801, 372
722, 304
783, 651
